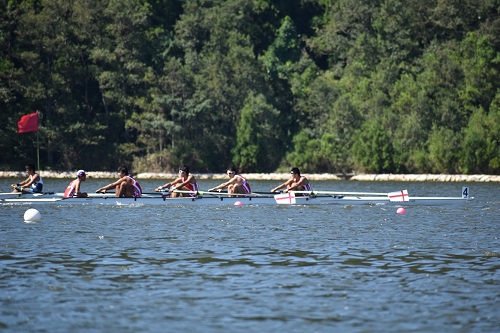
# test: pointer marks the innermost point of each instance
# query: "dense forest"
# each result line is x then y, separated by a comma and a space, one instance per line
379, 86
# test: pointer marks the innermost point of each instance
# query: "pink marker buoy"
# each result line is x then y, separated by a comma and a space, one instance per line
238, 203
401, 210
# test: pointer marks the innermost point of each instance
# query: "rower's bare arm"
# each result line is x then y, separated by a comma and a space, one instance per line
181, 183
20, 183
111, 186
277, 188
218, 188
176, 184
285, 184
221, 186
77, 188
190, 179
25, 182
167, 185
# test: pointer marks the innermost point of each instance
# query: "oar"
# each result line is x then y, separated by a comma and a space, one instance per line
225, 194
214, 193
113, 194
150, 193
393, 196
341, 193
24, 192
11, 193
266, 193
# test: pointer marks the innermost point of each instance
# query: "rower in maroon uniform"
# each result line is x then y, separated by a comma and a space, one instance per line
185, 182
295, 183
73, 189
236, 183
126, 186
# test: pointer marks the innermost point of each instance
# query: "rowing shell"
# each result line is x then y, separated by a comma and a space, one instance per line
209, 198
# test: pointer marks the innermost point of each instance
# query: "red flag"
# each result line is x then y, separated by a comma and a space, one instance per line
28, 123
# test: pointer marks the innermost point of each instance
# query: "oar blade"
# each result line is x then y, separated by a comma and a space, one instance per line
399, 196
285, 198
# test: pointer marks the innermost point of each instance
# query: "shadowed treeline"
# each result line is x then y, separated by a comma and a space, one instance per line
337, 86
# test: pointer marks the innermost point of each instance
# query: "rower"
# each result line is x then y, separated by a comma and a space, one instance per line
73, 189
33, 184
237, 184
295, 183
126, 186
185, 182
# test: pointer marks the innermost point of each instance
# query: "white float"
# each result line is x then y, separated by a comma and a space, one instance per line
32, 215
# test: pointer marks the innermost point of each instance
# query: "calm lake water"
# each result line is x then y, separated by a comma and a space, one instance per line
324, 268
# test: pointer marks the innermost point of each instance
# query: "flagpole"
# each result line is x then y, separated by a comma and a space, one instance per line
37, 151
37, 140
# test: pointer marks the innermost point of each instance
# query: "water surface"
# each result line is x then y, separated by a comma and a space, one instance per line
264, 268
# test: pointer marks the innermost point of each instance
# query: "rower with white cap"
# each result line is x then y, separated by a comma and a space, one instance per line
73, 189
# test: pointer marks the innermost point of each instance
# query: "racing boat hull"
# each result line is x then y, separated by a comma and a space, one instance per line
225, 200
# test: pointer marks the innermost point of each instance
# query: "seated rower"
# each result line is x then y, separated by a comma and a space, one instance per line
185, 182
33, 184
126, 186
73, 189
236, 184
295, 183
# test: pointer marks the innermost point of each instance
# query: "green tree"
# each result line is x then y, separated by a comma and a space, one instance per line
323, 154
225, 70
372, 149
481, 69
259, 139
481, 141
444, 148
388, 85
51, 51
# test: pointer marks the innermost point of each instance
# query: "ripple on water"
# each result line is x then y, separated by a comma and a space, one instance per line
252, 268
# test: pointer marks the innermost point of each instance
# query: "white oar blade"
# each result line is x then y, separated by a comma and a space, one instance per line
399, 196
285, 198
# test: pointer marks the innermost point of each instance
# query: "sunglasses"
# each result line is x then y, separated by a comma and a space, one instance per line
231, 173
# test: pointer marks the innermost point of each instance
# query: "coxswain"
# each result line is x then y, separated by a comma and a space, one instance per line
33, 184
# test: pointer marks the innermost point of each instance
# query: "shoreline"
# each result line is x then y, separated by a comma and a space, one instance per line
274, 176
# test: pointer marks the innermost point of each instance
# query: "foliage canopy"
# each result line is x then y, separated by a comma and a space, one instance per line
382, 86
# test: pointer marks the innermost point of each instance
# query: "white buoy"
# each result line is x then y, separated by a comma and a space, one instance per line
238, 203
32, 215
